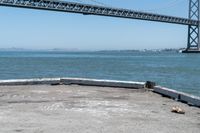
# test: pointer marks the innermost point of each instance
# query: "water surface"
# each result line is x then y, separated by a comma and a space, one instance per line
174, 70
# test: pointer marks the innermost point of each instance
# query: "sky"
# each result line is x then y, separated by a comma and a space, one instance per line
36, 29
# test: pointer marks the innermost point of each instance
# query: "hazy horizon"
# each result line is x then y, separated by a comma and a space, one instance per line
71, 50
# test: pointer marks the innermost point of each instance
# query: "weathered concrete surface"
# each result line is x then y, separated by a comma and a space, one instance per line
73, 109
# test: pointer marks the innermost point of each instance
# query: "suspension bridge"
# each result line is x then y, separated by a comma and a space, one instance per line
193, 20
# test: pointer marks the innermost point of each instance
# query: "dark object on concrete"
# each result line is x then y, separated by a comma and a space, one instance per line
56, 83
150, 84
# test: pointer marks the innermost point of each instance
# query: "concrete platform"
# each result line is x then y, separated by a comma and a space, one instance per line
90, 109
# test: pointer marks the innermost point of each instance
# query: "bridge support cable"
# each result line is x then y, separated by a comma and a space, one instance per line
87, 9
194, 31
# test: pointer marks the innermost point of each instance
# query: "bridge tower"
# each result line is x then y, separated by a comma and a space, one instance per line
193, 44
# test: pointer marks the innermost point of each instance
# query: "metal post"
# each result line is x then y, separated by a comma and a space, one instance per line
193, 31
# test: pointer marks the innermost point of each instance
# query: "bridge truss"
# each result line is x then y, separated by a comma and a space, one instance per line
193, 30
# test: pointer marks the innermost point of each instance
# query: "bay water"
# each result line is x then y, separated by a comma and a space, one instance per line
170, 69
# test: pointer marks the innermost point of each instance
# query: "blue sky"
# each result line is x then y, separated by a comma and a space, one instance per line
35, 29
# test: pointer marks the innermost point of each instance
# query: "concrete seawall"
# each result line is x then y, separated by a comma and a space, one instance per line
106, 83
30, 81
78, 81
179, 96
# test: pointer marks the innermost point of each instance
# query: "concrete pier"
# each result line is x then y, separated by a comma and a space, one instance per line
91, 109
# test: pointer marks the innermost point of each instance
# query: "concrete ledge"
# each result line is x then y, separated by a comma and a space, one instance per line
190, 99
167, 92
30, 81
180, 96
106, 83
79, 81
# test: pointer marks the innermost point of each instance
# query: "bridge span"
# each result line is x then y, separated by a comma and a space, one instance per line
63, 6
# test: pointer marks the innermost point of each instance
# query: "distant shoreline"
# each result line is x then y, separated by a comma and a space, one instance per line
76, 50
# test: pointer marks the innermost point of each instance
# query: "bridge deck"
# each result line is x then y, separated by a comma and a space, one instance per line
86, 9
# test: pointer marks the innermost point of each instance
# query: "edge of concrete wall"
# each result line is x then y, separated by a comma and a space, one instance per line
79, 81
106, 83
179, 96
30, 81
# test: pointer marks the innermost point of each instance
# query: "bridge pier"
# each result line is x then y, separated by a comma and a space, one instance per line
193, 44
